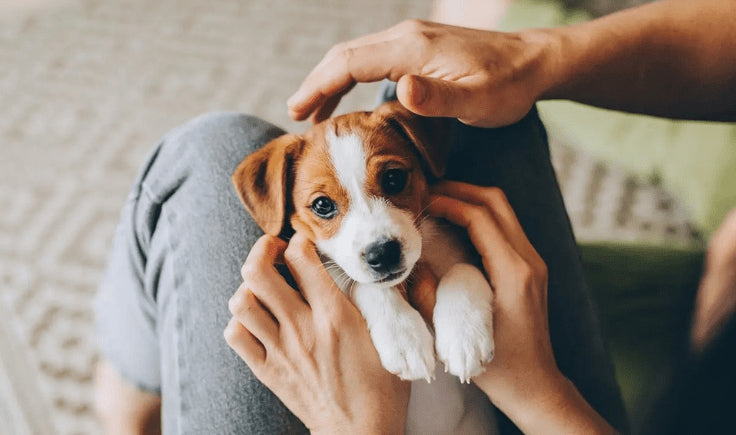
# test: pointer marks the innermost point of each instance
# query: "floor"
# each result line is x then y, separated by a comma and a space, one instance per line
89, 86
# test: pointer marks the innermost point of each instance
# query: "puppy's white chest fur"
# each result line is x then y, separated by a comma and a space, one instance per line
446, 405
462, 341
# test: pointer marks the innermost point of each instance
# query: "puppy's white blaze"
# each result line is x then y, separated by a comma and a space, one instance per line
348, 158
368, 218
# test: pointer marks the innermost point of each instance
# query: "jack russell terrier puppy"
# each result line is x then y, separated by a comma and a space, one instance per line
357, 186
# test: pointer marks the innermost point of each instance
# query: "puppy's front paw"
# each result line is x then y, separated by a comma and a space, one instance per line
463, 322
405, 346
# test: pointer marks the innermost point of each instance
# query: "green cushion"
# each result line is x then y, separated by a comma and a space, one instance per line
695, 161
643, 296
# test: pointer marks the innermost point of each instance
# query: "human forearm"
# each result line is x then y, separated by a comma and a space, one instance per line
673, 58
548, 404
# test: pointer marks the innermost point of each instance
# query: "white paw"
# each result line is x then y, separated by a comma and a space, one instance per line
463, 322
405, 346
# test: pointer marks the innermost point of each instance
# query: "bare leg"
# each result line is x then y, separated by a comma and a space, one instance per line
122, 408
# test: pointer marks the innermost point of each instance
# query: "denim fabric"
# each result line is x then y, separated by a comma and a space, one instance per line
184, 235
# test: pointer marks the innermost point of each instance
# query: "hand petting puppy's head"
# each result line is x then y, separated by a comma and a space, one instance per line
356, 185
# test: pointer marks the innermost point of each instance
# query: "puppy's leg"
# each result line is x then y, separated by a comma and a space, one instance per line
463, 321
399, 333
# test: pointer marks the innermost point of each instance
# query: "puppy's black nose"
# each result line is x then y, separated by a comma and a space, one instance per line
383, 256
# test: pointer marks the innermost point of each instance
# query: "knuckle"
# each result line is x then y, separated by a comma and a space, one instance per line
334, 52
420, 33
493, 194
231, 333
524, 272
235, 304
250, 272
476, 213
293, 252
542, 272
413, 25
346, 54
335, 49
339, 51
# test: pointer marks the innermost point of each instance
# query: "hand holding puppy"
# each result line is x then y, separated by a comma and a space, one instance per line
313, 349
315, 353
523, 380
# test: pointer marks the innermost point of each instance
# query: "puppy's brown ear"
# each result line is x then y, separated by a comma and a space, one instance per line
263, 182
430, 136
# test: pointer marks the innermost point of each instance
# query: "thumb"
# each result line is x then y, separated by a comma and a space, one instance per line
428, 96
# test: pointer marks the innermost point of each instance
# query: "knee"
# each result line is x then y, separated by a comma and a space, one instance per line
217, 141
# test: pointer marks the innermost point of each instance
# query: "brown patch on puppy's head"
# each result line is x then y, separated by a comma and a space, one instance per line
430, 136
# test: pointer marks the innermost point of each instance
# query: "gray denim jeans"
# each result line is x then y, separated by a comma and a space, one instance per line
183, 236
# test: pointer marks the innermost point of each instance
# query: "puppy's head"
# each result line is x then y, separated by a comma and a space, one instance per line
356, 185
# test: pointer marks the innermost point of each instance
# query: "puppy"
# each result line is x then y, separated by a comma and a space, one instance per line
357, 186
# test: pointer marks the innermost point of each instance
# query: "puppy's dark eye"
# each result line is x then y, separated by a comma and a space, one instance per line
324, 207
393, 181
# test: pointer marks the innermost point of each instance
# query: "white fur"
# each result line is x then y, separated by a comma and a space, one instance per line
463, 315
447, 405
348, 158
462, 321
399, 333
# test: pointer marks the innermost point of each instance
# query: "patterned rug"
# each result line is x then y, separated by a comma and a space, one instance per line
87, 89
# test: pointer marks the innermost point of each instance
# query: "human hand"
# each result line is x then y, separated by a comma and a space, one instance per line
523, 380
483, 78
313, 349
518, 277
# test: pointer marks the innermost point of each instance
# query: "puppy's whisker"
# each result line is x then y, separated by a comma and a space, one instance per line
422, 213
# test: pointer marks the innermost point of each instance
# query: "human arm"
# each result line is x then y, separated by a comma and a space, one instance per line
523, 380
671, 58
312, 349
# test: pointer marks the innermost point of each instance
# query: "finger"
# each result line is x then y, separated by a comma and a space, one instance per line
325, 110
267, 251
369, 59
262, 278
491, 197
246, 308
315, 283
496, 202
245, 344
429, 96
487, 237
